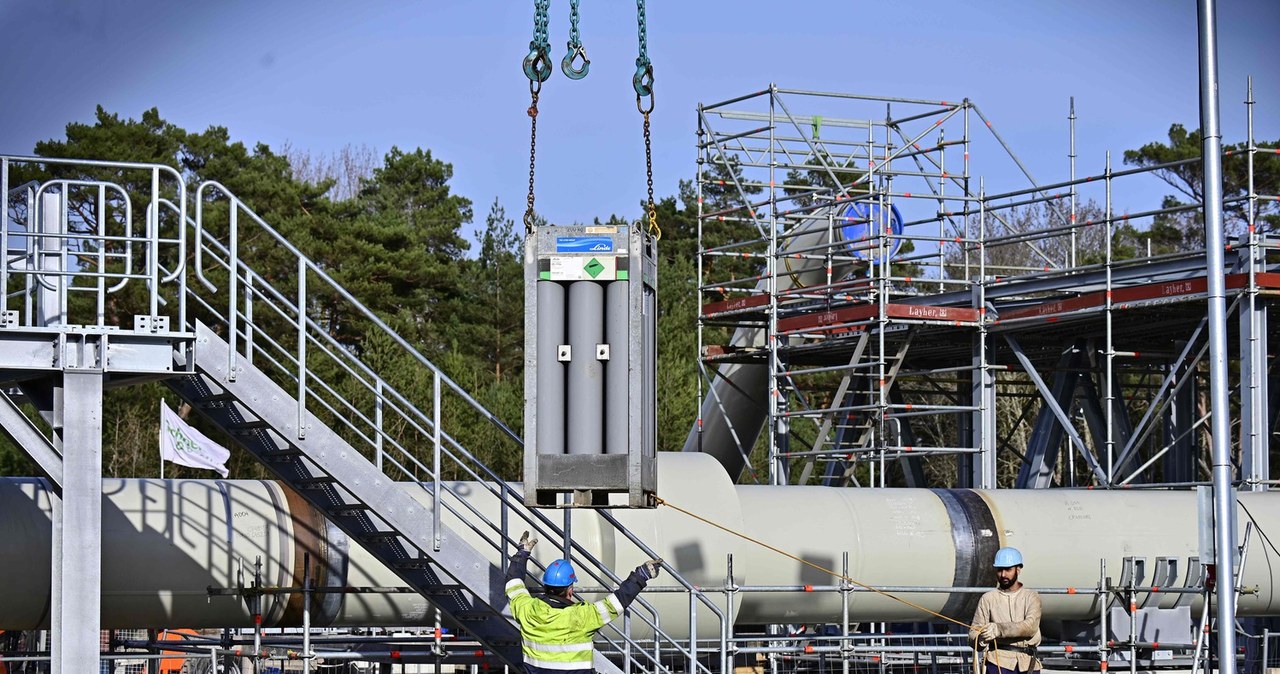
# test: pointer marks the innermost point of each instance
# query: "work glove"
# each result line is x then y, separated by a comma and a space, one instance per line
527, 543
988, 634
650, 568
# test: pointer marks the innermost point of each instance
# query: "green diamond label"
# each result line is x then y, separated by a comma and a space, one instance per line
581, 268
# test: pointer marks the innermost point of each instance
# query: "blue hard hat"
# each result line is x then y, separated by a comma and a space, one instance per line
559, 574
1006, 557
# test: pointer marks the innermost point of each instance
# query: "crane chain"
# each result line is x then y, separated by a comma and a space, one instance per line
537, 67
576, 50
642, 82
537, 64
534, 88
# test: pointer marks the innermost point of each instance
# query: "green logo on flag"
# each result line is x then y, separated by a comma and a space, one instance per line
593, 267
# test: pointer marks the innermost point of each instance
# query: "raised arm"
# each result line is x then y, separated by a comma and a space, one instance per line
518, 567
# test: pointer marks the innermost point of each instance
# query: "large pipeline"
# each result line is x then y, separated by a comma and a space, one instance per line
166, 542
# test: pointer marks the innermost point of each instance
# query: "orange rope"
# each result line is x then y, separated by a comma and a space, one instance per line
806, 562
977, 657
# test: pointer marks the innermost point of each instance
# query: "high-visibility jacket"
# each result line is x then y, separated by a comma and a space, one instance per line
557, 634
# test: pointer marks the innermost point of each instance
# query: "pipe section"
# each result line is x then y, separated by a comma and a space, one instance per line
733, 411
165, 542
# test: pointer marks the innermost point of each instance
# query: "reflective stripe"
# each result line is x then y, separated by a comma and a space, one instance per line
617, 604
604, 611
558, 648
576, 656
584, 665
515, 588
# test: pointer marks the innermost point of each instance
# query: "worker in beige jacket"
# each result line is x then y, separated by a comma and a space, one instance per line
1006, 625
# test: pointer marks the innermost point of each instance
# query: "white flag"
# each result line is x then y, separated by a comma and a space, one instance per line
186, 446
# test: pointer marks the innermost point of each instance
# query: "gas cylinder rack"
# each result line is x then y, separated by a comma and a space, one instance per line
590, 362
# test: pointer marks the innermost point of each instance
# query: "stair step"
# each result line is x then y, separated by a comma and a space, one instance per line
442, 590
314, 482
248, 425
285, 453
380, 535
473, 616
349, 510
224, 396
411, 563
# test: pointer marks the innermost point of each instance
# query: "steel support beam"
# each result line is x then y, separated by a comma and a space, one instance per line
982, 425
1046, 435
1179, 416
978, 470
77, 528
1255, 469
1273, 406
1056, 409
964, 432
1096, 416
1224, 507
27, 437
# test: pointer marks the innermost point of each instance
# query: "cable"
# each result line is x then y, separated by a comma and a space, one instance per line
979, 654
806, 562
1257, 526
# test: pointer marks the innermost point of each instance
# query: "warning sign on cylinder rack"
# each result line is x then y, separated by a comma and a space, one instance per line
584, 268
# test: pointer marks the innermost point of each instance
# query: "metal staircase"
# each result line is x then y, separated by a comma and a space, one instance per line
254, 354
352, 493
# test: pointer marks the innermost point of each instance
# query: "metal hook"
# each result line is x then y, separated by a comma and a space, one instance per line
642, 81
537, 65
566, 64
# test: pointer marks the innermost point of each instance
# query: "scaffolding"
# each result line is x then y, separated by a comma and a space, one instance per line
874, 306
865, 297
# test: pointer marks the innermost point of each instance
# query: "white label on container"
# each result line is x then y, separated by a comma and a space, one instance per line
584, 268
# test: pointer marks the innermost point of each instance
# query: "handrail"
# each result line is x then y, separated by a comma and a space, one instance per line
368, 313
152, 239
128, 221
694, 592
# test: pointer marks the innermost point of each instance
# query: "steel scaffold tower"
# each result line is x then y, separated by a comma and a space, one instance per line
868, 301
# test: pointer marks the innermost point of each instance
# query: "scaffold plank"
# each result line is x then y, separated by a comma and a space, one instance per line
1149, 293
825, 320
734, 305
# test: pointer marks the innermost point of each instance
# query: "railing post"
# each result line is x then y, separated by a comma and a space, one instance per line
233, 263
1266, 648
846, 648
302, 347
101, 299
435, 461
377, 422
153, 243
248, 319
731, 588
693, 631
4, 234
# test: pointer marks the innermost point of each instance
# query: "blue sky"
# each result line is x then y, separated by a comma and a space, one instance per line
445, 75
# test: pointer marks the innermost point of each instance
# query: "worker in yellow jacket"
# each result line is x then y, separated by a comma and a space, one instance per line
556, 627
